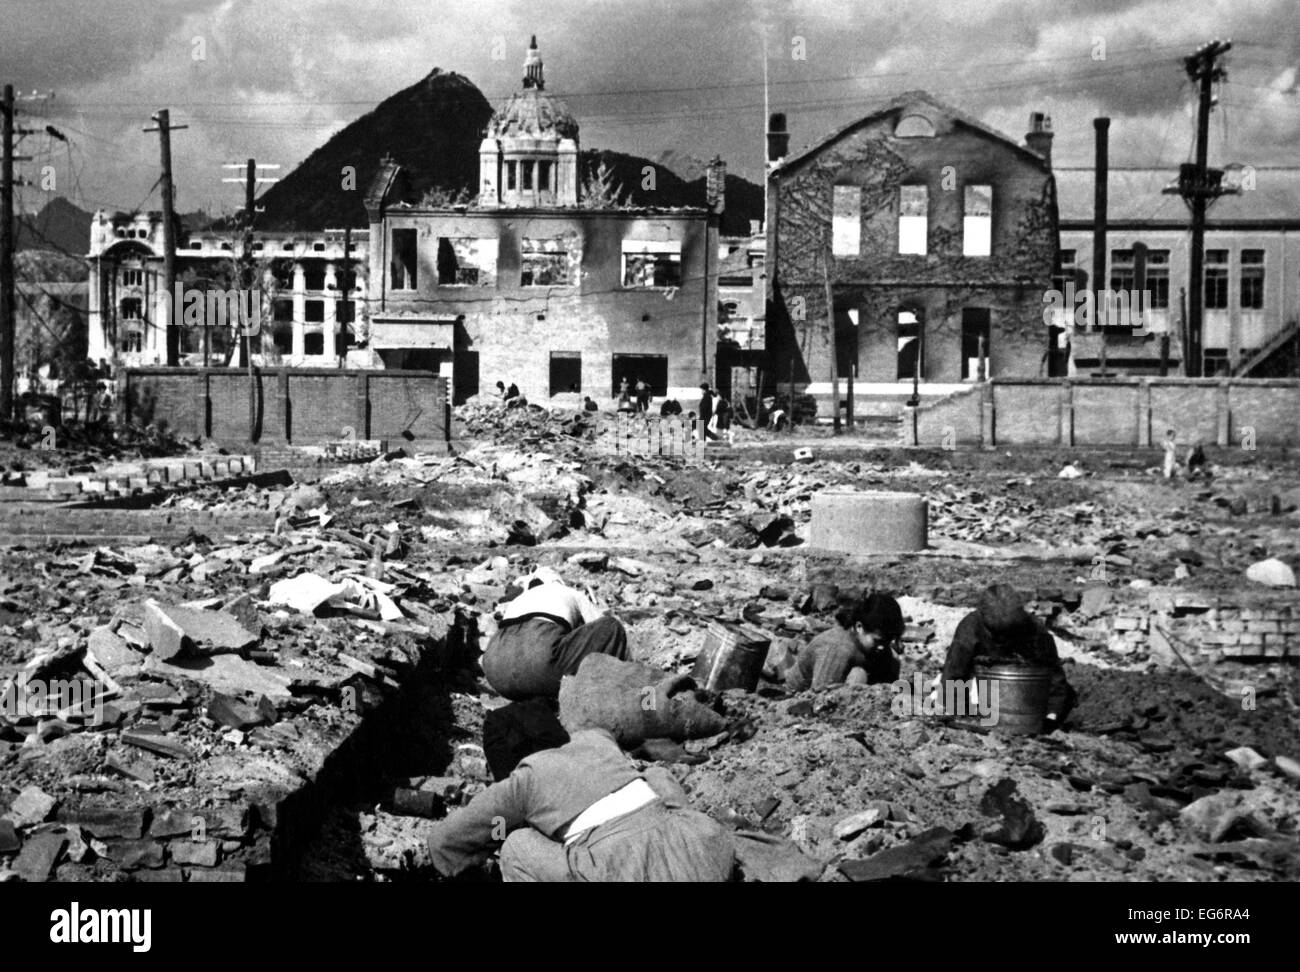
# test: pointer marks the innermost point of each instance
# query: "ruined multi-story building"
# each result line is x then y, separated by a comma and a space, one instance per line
310, 299
542, 280
938, 236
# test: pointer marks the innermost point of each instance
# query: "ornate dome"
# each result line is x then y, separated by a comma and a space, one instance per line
532, 113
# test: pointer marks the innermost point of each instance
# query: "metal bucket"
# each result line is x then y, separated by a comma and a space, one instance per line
732, 657
1023, 691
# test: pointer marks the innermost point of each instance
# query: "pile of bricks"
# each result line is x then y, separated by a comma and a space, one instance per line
1236, 627
124, 479
654, 437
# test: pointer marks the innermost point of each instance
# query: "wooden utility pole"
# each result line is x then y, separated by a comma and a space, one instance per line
7, 261
164, 128
8, 323
830, 327
1200, 185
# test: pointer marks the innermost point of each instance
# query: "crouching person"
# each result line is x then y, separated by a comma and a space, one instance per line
543, 634
1000, 629
861, 649
582, 812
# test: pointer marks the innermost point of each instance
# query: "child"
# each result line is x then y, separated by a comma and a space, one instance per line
861, 649
1171, 453
1196, 460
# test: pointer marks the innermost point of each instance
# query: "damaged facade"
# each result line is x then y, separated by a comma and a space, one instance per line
541, 281
940, 235
316, 314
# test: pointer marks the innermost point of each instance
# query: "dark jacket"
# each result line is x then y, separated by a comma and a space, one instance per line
1031, 643
827, 660
706, 408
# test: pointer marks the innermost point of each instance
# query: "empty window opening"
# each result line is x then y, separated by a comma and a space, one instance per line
566, 372
975, 343
545, 263
977, 228
466, 261
913, 219
846, 221
403, 270
910, 364
648, 264
650, 368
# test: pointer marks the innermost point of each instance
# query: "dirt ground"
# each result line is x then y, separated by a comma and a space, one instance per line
669, 548
1146, 740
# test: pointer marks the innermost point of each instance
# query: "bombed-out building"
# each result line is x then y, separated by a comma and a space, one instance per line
310, 295
543, 279
938, 236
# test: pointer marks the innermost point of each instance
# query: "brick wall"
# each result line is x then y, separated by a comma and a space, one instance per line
1240, 413
1237, 627
298, 406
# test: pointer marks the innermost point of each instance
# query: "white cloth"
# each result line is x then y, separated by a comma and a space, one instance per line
624, 800
554, 600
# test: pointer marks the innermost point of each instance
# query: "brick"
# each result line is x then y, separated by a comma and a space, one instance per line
40, 854
1218, 638
1247, 638
236, 874
132, 854
200, 853
31, 806
166, 637
106, 822
163, 875
1123, 623
1233, 625
1263, 627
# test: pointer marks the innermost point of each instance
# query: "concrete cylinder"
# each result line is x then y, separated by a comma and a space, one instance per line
857, 522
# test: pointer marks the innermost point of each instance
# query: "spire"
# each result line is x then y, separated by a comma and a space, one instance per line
533, 67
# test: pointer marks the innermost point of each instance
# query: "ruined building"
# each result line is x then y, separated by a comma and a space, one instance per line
939, 237
312, 297
544, 279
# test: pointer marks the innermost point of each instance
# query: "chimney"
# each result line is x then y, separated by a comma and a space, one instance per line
1039, 136
1101, 173
716, 185
778, 139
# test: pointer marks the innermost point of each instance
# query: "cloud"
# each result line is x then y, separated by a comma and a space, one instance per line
279, 76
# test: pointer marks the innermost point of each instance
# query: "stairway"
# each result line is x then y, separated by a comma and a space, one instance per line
1258, 357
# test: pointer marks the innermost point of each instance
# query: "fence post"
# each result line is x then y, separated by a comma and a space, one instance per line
1065, 408
1144, 413
988, 418
1222, 407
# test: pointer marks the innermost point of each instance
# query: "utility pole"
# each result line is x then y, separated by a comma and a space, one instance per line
164, 128
1200, 185
8, 323
830, 326
250, 182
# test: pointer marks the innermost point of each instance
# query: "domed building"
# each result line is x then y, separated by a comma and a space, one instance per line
529, 156
530, 284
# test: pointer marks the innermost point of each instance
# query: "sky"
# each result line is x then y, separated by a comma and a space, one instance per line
678, 79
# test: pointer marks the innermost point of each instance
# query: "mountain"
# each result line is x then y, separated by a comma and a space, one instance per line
59, 226
433, 129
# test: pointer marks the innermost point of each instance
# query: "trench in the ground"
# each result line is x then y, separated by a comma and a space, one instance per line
410, 733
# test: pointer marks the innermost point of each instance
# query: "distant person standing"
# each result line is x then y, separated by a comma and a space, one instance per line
512, 391
1171, 454
642, 397
501, 390
706, 411
1196, 465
